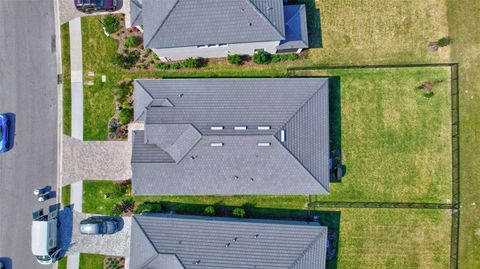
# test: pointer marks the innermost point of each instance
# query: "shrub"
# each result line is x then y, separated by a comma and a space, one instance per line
148, 207
284, 57
162, 66
117, 210
111, 24
191, 63
239, 212
235, 59
119, 190
262, 57
155, 57
292, 56
132, 41
126, 115
126, 206
125, 61
123, 92
209, 211
444, 41
176, 66
147, 52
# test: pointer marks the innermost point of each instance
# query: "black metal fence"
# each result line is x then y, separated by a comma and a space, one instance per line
455, 114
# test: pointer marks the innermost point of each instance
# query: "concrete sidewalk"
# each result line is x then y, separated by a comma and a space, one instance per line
76, 63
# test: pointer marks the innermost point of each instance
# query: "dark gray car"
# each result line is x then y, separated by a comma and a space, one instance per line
99, 225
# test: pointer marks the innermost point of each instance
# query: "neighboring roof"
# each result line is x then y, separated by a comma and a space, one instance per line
296, 32
192, 242
180, 23
136, 12
179, 157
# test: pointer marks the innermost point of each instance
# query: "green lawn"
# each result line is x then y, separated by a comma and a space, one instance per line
67, 86
395, 142
464, 16
66, 195
62, 264
394, 238
91, 261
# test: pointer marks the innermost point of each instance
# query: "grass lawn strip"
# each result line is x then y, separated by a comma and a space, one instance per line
395, 142
91, 261
463, 17
62, 264
66, 190
394, 238
66, 79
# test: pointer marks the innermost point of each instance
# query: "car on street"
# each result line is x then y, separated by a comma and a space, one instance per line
2, 265
5, 128
89, 6
99, 225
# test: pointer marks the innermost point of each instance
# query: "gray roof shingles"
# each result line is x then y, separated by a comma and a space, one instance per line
225, 243
180, 23
297, 166
136, 12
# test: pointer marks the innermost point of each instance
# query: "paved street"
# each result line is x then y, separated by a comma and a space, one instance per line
28, 89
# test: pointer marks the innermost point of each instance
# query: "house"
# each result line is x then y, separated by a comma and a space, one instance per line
191, 242
231, 136
178, 29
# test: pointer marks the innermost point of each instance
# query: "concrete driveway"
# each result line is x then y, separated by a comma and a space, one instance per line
117, 244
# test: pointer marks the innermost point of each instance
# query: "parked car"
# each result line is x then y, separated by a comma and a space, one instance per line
89, 6
99, 225
2, 265
5, 128
45, 240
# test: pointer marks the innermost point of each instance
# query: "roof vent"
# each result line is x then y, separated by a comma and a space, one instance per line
216, 128
180, 95
249, 24
252, 179
227, 245
216, 144
263, 128
282, 136
235, 239
256, 236
264, 144
179, 242
197, 262
240, 128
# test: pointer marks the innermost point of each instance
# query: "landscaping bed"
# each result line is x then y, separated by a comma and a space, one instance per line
395, 138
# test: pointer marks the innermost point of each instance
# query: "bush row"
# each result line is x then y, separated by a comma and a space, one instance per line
187, 63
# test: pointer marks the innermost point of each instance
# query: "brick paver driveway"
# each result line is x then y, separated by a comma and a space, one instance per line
117, 244
69, 12
107, 160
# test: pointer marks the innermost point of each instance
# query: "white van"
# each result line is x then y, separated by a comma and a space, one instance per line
45, 240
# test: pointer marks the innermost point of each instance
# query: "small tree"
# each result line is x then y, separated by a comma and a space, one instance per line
262, 57
148, 207
239, 212
444, 41
209, 211
126, 115
111, 24
235, 59
132, 41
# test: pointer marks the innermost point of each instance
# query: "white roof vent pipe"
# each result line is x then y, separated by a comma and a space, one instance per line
264, 144
240, 128
263, 128
282, 135
216, 144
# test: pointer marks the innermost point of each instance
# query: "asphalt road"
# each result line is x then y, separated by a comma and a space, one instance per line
28, 88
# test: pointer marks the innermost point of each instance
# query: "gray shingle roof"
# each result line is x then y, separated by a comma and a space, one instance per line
296, 32
178, 162
225, 243
136, 12
179, 23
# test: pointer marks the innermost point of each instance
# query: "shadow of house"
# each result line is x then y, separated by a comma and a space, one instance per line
313, 22
330, 219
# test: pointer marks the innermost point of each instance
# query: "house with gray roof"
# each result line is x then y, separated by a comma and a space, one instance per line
178, 29
231, 136
192, 242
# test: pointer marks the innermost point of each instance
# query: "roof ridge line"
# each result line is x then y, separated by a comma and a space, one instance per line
294, 114
163, 22
305, 250
265, 18
151, 243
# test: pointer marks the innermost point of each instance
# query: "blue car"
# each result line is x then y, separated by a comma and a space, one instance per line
5, 139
